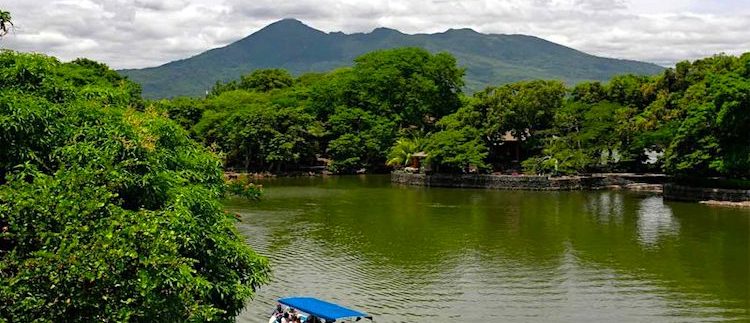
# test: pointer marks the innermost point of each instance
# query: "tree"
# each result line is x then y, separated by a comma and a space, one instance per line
221, 87
712, 139
696, 114
5, 22
629, 90
265, 80
408, 85
351, 116
583, 139
109, 213
257, 131
355, 115
521, 108
524, 109
360, 139
588, 92
184, 110
456, 150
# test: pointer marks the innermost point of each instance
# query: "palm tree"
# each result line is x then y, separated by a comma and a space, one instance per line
5, 23
402, 152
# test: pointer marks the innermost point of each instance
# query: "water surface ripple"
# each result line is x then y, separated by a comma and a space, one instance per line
409, 254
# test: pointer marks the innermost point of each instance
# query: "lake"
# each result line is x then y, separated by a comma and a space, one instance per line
415, 254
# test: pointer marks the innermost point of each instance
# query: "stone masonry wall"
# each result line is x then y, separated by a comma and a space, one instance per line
525, 182
693, 194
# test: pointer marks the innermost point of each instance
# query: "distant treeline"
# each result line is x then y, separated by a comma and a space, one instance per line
393, 104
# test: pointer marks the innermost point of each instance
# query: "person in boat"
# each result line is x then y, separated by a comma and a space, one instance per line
278, 313
293, 316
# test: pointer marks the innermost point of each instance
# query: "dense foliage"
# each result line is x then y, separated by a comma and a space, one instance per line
108, 210
346, 120
688, 121
490, 118
404, 107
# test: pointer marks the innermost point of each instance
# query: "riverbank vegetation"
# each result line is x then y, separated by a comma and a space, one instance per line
405, 107
346, 120
108, 210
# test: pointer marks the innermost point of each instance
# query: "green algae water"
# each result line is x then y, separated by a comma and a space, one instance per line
414, 254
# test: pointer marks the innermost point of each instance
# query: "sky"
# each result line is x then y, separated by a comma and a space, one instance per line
143, 33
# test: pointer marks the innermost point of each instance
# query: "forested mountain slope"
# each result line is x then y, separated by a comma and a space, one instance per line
489, 59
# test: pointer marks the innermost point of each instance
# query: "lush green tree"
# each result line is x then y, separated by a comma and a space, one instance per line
413, 86
261, 80
221, 87
456, 150
5, 22
330, 91
713, 139
696, 114
386, 91
584, 139
258, 132
521, 108
184, 110
588, 92
351, 116
360, 139
355, 115
265, 80
629, 90
109, 213
525, 110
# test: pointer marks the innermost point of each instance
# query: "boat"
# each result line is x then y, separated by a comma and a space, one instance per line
313, 310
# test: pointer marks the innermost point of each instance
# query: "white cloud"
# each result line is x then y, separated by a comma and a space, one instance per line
139, 33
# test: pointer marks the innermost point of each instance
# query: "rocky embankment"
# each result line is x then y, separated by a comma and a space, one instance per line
705, 195
635, 182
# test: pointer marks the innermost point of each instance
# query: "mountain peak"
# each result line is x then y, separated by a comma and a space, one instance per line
288, 21
286, 25
489, 59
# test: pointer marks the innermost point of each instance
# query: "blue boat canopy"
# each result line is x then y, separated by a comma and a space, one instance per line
322, 309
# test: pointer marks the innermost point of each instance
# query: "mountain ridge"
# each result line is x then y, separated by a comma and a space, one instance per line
489, 59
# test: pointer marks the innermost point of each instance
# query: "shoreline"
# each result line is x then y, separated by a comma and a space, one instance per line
613, 181
658, 184
647, 183
745, 204
707, 195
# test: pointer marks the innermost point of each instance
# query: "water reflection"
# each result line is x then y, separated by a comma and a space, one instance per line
607, 206
435, 255
655, 220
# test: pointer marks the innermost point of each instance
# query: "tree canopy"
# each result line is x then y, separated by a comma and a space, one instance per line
268, 121
688, 120
108, 210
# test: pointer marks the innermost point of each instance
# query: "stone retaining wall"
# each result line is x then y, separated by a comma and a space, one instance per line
526, 182
698, 194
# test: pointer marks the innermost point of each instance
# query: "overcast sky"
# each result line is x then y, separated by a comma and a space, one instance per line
141, 33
